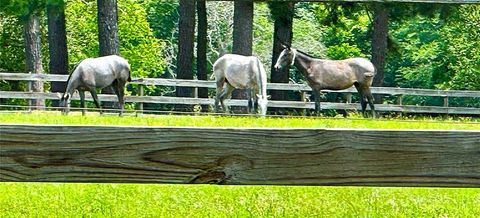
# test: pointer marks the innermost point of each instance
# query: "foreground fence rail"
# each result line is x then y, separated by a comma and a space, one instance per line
45, 153
303, 88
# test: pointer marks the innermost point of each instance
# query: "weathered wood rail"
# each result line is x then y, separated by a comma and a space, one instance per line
303, 88
44, 153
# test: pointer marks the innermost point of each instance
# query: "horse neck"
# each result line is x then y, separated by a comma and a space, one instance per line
302, 62
71, 83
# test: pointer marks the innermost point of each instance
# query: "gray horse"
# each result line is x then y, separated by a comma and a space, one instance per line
233, 71
332, 74
97, 73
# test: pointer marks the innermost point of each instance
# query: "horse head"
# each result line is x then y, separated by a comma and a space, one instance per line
65, 103
262, 101
287, 56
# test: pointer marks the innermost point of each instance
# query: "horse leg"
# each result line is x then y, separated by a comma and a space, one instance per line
369, 96
120, 90
82, 101
363, 100
226, 93
219, 90
250, 101
95, 99
316, 95
114, 88
255, 101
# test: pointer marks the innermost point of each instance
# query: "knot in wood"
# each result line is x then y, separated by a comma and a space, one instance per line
225, 172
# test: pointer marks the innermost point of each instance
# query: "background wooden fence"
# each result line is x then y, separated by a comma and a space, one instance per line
44, 153
302, 88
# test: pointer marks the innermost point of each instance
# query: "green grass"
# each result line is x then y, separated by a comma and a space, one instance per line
126, 200
219, 121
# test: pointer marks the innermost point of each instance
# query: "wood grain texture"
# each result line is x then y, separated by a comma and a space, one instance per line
239, 156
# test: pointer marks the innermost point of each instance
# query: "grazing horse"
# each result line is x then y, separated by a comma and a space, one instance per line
233, 71
332, 74
97, 73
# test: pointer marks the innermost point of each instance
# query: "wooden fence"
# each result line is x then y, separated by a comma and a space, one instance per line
48, 153
302, 88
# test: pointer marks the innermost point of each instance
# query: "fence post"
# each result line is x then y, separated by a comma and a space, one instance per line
140, 93
30, 89
304, 99
400, 102
349, 97
445, 100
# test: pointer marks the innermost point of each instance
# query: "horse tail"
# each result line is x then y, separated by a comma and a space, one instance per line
372, 74
261, 73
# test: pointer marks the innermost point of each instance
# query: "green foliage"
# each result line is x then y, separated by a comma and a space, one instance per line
439, 54
82, 36
137, 43
21, 8
12, 44
463, 49
345, 30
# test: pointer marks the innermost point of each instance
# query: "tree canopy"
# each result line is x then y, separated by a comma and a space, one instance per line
436, 49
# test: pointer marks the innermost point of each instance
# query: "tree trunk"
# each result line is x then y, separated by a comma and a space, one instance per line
107, 34
32, 36
186, 37
57, 44
108, 27
379, 44
242, 38
202, 48
282, 34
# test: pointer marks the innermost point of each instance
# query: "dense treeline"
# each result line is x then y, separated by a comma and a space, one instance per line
427, 46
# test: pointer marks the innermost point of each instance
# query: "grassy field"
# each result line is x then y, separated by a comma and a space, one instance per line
140, 200
127, 200
218, 121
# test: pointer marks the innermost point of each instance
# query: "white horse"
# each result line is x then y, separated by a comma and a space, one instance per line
233, 71
97, 73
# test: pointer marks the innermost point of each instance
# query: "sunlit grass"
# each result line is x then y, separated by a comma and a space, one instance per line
126, 200
235, 121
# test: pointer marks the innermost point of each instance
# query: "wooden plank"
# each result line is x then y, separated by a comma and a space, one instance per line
237, 102
42, 153
270, 86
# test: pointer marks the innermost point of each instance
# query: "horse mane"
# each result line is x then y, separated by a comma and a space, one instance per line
74, 68
302, 52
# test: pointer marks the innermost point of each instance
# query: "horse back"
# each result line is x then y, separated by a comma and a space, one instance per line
363, 66
240, 71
